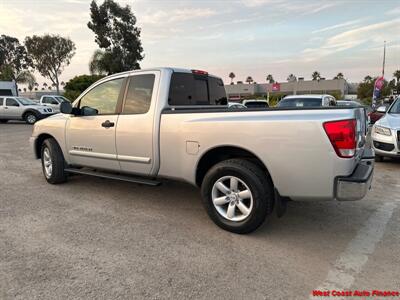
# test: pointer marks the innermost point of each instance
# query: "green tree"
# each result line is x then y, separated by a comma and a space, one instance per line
232, 76
316, 75
396, 75
270, 78
50, 55
14, 59
117, 37
78, 84
366, 88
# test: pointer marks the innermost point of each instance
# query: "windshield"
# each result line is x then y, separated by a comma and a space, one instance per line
396, 107
300, 102
61, 99
25, 101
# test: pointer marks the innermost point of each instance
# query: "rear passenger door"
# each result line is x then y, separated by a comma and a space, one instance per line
138, 124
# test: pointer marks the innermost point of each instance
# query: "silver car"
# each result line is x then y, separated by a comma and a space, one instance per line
20, 108
386, 133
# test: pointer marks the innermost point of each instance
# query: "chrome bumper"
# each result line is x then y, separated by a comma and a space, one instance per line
356, 186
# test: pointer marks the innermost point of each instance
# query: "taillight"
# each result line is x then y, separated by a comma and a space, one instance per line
342, 135
199, 72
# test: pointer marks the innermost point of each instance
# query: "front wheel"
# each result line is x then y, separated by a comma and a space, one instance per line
53, 162
3, 121
237, 195
30, 118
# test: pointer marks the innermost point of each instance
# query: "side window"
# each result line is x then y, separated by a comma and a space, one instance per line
185, 89
103, 97
138, 97
11, 102
1, 101
217, 91
46, 100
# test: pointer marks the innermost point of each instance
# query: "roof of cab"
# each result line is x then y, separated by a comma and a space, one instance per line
307, 96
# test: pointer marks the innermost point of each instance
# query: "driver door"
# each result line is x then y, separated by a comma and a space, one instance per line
90, 137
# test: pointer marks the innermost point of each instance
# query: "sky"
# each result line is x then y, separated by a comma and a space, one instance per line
247, 37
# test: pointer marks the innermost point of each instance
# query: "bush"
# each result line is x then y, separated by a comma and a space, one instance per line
78, 84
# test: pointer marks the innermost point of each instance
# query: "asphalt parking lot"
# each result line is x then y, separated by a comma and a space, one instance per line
93, 238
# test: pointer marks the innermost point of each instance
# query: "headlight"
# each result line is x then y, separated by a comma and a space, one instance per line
382, 130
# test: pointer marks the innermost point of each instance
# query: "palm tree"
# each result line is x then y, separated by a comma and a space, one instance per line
291, 78
396, 74
44, 85
367, 78
231, 76
25, 77
249, 79
316, 75
270, 79
339, 76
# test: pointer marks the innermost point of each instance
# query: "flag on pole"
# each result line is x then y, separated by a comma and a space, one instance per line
377, 89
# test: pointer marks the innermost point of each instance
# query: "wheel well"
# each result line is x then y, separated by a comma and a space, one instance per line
38, 145
219, 154
28, 111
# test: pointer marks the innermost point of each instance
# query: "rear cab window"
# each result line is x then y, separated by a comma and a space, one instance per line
196, 89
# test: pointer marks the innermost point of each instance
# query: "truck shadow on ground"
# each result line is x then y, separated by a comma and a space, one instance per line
179, 203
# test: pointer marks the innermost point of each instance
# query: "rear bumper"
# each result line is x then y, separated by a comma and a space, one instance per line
356, 186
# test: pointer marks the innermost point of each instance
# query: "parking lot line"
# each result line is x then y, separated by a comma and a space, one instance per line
351, 261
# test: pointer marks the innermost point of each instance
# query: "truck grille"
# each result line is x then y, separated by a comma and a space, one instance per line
383, 146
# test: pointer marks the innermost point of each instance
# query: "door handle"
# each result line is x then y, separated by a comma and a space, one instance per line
107, 124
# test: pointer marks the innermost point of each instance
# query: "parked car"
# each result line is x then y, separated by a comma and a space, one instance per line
307, 101
145, 125
356, 104
236, 105
255, 103
53, 101
386, 133
378, 113
19, 108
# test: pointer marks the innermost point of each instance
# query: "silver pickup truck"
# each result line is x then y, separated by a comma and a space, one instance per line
142, 126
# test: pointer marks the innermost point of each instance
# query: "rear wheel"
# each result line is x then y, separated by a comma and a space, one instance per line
237, 195
30, 118
53, 163
3, 121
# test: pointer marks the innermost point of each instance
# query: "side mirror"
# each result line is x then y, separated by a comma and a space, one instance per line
381, 109
88, 111
66, 108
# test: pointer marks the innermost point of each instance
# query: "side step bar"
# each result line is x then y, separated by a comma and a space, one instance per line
113, 176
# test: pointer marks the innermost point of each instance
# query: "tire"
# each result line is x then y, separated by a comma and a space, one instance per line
249, 177
379, 158
56, 174
3, 121
30, 118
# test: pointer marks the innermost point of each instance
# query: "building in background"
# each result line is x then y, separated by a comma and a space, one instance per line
237, 92
8, 88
